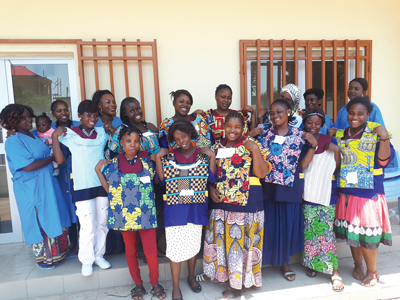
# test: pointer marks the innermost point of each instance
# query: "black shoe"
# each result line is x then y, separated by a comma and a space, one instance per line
195, 289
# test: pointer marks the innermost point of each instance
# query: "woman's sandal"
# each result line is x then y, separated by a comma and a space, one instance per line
45, 267
203, 277
336, 287
311, 273
158, 291
138, 292
367, 282
231, 293
361, 276
288, 274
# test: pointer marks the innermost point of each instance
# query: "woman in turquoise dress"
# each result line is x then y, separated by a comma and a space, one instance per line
41, 205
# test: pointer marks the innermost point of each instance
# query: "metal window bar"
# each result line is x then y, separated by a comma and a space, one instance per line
110, 58
290, 52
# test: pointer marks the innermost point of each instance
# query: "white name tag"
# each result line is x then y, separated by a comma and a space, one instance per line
352, 178
145, 179
225, 152
279, 139
147, 133
186, 193
197, 128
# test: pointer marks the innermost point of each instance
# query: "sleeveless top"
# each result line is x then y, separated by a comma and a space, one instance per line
131, 195
358, 157
233, 171
185, 184
285, 153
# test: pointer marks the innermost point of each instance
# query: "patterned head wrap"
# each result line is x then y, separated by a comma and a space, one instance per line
294, 92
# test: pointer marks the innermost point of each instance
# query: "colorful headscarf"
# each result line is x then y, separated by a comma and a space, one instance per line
294, 92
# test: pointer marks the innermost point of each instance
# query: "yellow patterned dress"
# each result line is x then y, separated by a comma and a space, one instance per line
234, 237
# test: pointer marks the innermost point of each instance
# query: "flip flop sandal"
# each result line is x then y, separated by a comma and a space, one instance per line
288, 274
311, 273
195, 289
231, 293
333, 278
73, 254
369, 280
45, 267
201, 278
354, 271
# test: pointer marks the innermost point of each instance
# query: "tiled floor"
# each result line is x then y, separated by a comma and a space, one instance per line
20, 279
275, 286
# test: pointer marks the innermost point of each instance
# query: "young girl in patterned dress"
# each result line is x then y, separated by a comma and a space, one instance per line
234, 236
128, 179
319, 205
185, 171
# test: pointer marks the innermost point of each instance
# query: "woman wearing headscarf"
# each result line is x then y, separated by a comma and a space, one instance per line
292, 94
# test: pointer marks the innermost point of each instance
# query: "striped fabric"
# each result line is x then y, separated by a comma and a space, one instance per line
318, 178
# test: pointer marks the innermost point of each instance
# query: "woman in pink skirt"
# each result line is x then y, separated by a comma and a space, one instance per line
362, 217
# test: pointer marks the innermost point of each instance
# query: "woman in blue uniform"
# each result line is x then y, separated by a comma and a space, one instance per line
41, 205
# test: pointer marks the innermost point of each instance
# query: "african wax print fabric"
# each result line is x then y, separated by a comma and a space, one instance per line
233, 248
358, 157
131, 196
148, 141
284, 154
294, 92
51, 250
363, 222
202, 128
320, 251
233, 172
186, 183
216, 123
183, 242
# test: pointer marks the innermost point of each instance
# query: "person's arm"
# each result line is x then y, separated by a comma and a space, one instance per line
58, 155
261, 114
159, 167
260, 167
38, 164
211, 156
103, 180
253, 120
214, 194
310, 153
384, 144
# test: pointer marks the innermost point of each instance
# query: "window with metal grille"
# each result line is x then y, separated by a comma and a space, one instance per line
328, 65
126, 68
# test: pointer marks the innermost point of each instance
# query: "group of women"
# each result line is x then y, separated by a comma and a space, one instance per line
281, 181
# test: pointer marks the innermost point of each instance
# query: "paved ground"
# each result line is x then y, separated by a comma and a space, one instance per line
275, 286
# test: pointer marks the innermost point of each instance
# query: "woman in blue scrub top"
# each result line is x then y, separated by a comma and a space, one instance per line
105, 100
313, 100
357, 88
41, 205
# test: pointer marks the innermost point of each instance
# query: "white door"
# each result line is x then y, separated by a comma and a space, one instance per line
36, 83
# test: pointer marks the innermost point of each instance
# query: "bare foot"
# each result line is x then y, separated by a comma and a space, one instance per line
370, 279
358, 272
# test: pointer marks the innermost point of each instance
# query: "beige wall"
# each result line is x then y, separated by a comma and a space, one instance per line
198, 40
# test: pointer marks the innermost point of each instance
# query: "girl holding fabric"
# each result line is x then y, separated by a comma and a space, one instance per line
131, 114
320, 197
182, 101
185, 171
283, 187
362, 217
128, 180
216, 118
85, 145
41, 205
292, 94
234, 236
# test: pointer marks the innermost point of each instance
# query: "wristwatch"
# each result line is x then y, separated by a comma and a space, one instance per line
314, 148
